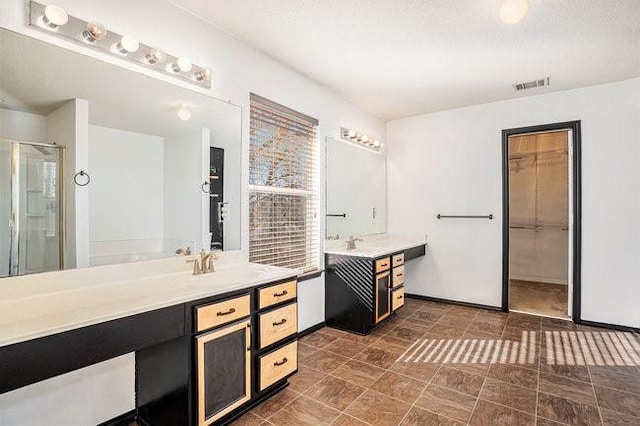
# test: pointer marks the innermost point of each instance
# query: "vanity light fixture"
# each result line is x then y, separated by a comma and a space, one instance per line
183, 64
54, 17
184, 112
56, 21
354, 136
127, 44
155, 56
95, 31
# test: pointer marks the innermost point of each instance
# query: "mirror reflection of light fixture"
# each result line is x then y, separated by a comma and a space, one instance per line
184, 112
155, 56
127, 44
54, 17
513, 11
183, 64
95, 31
204, 74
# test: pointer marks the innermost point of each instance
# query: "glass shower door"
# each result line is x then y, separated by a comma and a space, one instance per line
30, 208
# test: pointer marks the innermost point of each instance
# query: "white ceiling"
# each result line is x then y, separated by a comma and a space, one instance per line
397, 58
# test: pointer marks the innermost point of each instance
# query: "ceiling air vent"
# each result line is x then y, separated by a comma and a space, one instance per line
531, 84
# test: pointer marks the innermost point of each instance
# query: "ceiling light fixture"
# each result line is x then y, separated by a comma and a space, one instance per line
357, 137
127, 44
54, 17
513, 11
184, 112
57, 22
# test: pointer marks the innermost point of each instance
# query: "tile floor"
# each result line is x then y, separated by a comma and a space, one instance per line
345, 379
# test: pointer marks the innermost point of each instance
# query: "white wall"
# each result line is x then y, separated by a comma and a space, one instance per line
22, 126
68, 126
126, 178
450, 162
237, 71
185, 205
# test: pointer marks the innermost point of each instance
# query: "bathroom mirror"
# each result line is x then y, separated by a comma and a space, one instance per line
356, 190
102, 165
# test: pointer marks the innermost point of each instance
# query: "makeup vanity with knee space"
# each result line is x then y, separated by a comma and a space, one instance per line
365, 287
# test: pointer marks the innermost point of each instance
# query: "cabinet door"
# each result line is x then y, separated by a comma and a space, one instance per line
224, 371
382, 296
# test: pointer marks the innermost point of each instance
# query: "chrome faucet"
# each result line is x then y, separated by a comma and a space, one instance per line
331, 237
351, 242
204, 263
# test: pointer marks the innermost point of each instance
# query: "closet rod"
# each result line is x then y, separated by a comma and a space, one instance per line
442, 216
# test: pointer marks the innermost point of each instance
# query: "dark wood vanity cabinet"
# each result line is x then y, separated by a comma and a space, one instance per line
238, 350
361, 292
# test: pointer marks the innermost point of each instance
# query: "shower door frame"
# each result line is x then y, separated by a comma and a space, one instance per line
576, 207
14, 237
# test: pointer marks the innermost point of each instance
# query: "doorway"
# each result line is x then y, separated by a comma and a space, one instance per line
541, 220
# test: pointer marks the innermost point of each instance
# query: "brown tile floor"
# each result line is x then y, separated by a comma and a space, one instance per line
346, 379
539, 298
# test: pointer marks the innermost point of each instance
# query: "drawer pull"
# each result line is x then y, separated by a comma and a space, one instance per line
280, 322
283, 362
399, 275
229, 312
384, 265
283, 293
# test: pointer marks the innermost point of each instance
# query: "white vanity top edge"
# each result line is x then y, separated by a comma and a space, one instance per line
376, 245
49, 306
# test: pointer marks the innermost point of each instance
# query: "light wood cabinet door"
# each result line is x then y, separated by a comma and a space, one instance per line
278, 364
223, 371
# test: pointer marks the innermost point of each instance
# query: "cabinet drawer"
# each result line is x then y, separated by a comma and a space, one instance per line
268, 296
278, 364
397, 298
383, 264
278, 324
398, 275
398, 260
220, 313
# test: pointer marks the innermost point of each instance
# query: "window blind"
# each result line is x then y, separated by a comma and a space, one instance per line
283, 187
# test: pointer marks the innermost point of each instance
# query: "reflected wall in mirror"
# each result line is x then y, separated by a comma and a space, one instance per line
158, 182
356, 190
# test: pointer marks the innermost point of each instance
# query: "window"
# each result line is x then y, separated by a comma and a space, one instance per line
283, 187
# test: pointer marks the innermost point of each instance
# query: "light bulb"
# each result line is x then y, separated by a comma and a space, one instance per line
376, 144
155, 56
204, 74
54, 16
365, 139
95, 31
184, 112
127, 44
183, 64
513, 11
351, 134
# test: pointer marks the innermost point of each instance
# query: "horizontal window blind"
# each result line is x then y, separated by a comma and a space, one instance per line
283, 187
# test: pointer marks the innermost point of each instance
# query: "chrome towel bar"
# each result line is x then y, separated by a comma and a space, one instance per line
441, 216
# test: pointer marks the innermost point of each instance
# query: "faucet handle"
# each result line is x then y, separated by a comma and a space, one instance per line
197, 268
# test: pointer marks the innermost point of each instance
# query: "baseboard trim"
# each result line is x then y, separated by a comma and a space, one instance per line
609, 326
452, 302
311, 329
121, 420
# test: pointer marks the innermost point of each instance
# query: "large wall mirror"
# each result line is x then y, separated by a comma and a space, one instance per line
356, 190
100, 165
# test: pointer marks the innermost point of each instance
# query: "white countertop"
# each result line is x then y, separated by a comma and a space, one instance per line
34, 306
374, 245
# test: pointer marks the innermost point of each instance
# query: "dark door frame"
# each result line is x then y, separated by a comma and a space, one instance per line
574, 126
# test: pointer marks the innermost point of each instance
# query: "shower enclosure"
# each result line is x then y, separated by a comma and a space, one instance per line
31, 231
